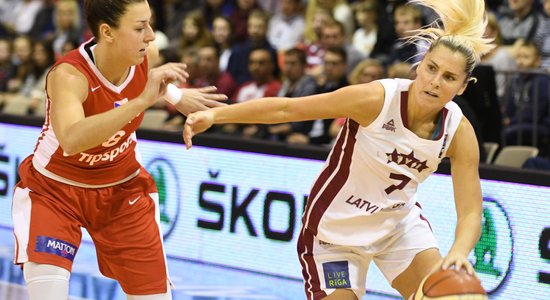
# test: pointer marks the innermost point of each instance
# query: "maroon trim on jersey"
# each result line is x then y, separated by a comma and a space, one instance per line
338, 180
422, 217
405, 118
333, 162
404, 105
312, 284
443, 119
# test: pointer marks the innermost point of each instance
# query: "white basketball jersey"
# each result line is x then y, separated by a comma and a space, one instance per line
369, 181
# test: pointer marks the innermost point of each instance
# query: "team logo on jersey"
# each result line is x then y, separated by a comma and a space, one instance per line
493, 253
54, 246
390, 125
336, 274
166, 179
408, 160
121, 102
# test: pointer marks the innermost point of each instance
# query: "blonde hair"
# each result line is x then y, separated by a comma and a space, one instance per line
462, 28
356, 73
492, 23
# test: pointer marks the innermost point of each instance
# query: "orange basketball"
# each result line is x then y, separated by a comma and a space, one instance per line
450, 285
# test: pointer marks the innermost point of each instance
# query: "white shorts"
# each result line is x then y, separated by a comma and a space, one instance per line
327, 267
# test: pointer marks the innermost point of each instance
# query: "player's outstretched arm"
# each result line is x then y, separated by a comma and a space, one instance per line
362, 103
193, 100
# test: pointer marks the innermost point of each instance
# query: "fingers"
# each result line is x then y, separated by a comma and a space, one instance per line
212, 103
188, 133
458, 263
208, 93
173, 72
215, 97
207, 89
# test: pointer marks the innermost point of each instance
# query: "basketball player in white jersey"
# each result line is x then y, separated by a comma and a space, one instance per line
363, 207
85, 170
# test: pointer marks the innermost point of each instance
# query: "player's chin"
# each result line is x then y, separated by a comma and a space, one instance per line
141, 55
138, 59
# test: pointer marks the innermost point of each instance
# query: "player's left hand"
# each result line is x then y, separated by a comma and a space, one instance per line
458, 261
196, 123
200, 99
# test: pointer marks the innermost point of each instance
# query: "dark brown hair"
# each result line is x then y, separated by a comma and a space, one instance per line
105, 11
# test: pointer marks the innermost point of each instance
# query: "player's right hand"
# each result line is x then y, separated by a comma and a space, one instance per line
159, 78
196, 123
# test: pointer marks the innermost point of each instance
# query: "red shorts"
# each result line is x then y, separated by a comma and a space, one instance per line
121, 220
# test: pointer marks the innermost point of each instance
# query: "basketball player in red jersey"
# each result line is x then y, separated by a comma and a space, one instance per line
363, 206
85, 170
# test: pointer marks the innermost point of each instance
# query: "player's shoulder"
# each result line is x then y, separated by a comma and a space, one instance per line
66, 71
66, 78
371, 90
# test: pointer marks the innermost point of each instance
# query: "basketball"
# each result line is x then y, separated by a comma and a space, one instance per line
450, 285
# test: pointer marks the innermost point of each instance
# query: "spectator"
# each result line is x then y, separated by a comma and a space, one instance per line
401, 70
312, 44
43, 58
495, 6
482, 98
261, 64
174, 13
333, 36
210, 74
317, 132
24, 14
520, 23
68, 26
43, 26
296, 83
366, 71
387, 7
370, 39
68, 46
407, 19
270, 6
6, 65
161, 39
222, 33
286, 28
6, 16
257, 30
527, 102
542, 36
320, 18
500, 57
240, 19
217, 8
22, 49
194, 33
339, 10
537, 163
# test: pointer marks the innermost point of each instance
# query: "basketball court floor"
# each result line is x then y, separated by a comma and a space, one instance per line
193, 281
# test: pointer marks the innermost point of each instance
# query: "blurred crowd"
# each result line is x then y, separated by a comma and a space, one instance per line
260, 48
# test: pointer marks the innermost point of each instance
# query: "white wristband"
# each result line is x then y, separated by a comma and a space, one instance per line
173, 94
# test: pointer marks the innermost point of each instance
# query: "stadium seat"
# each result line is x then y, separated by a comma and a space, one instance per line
491, 149
515, 156
154, 119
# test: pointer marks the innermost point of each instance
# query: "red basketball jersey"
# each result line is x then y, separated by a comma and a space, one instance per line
116, 159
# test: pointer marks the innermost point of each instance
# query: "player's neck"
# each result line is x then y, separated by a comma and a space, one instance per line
109, 66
